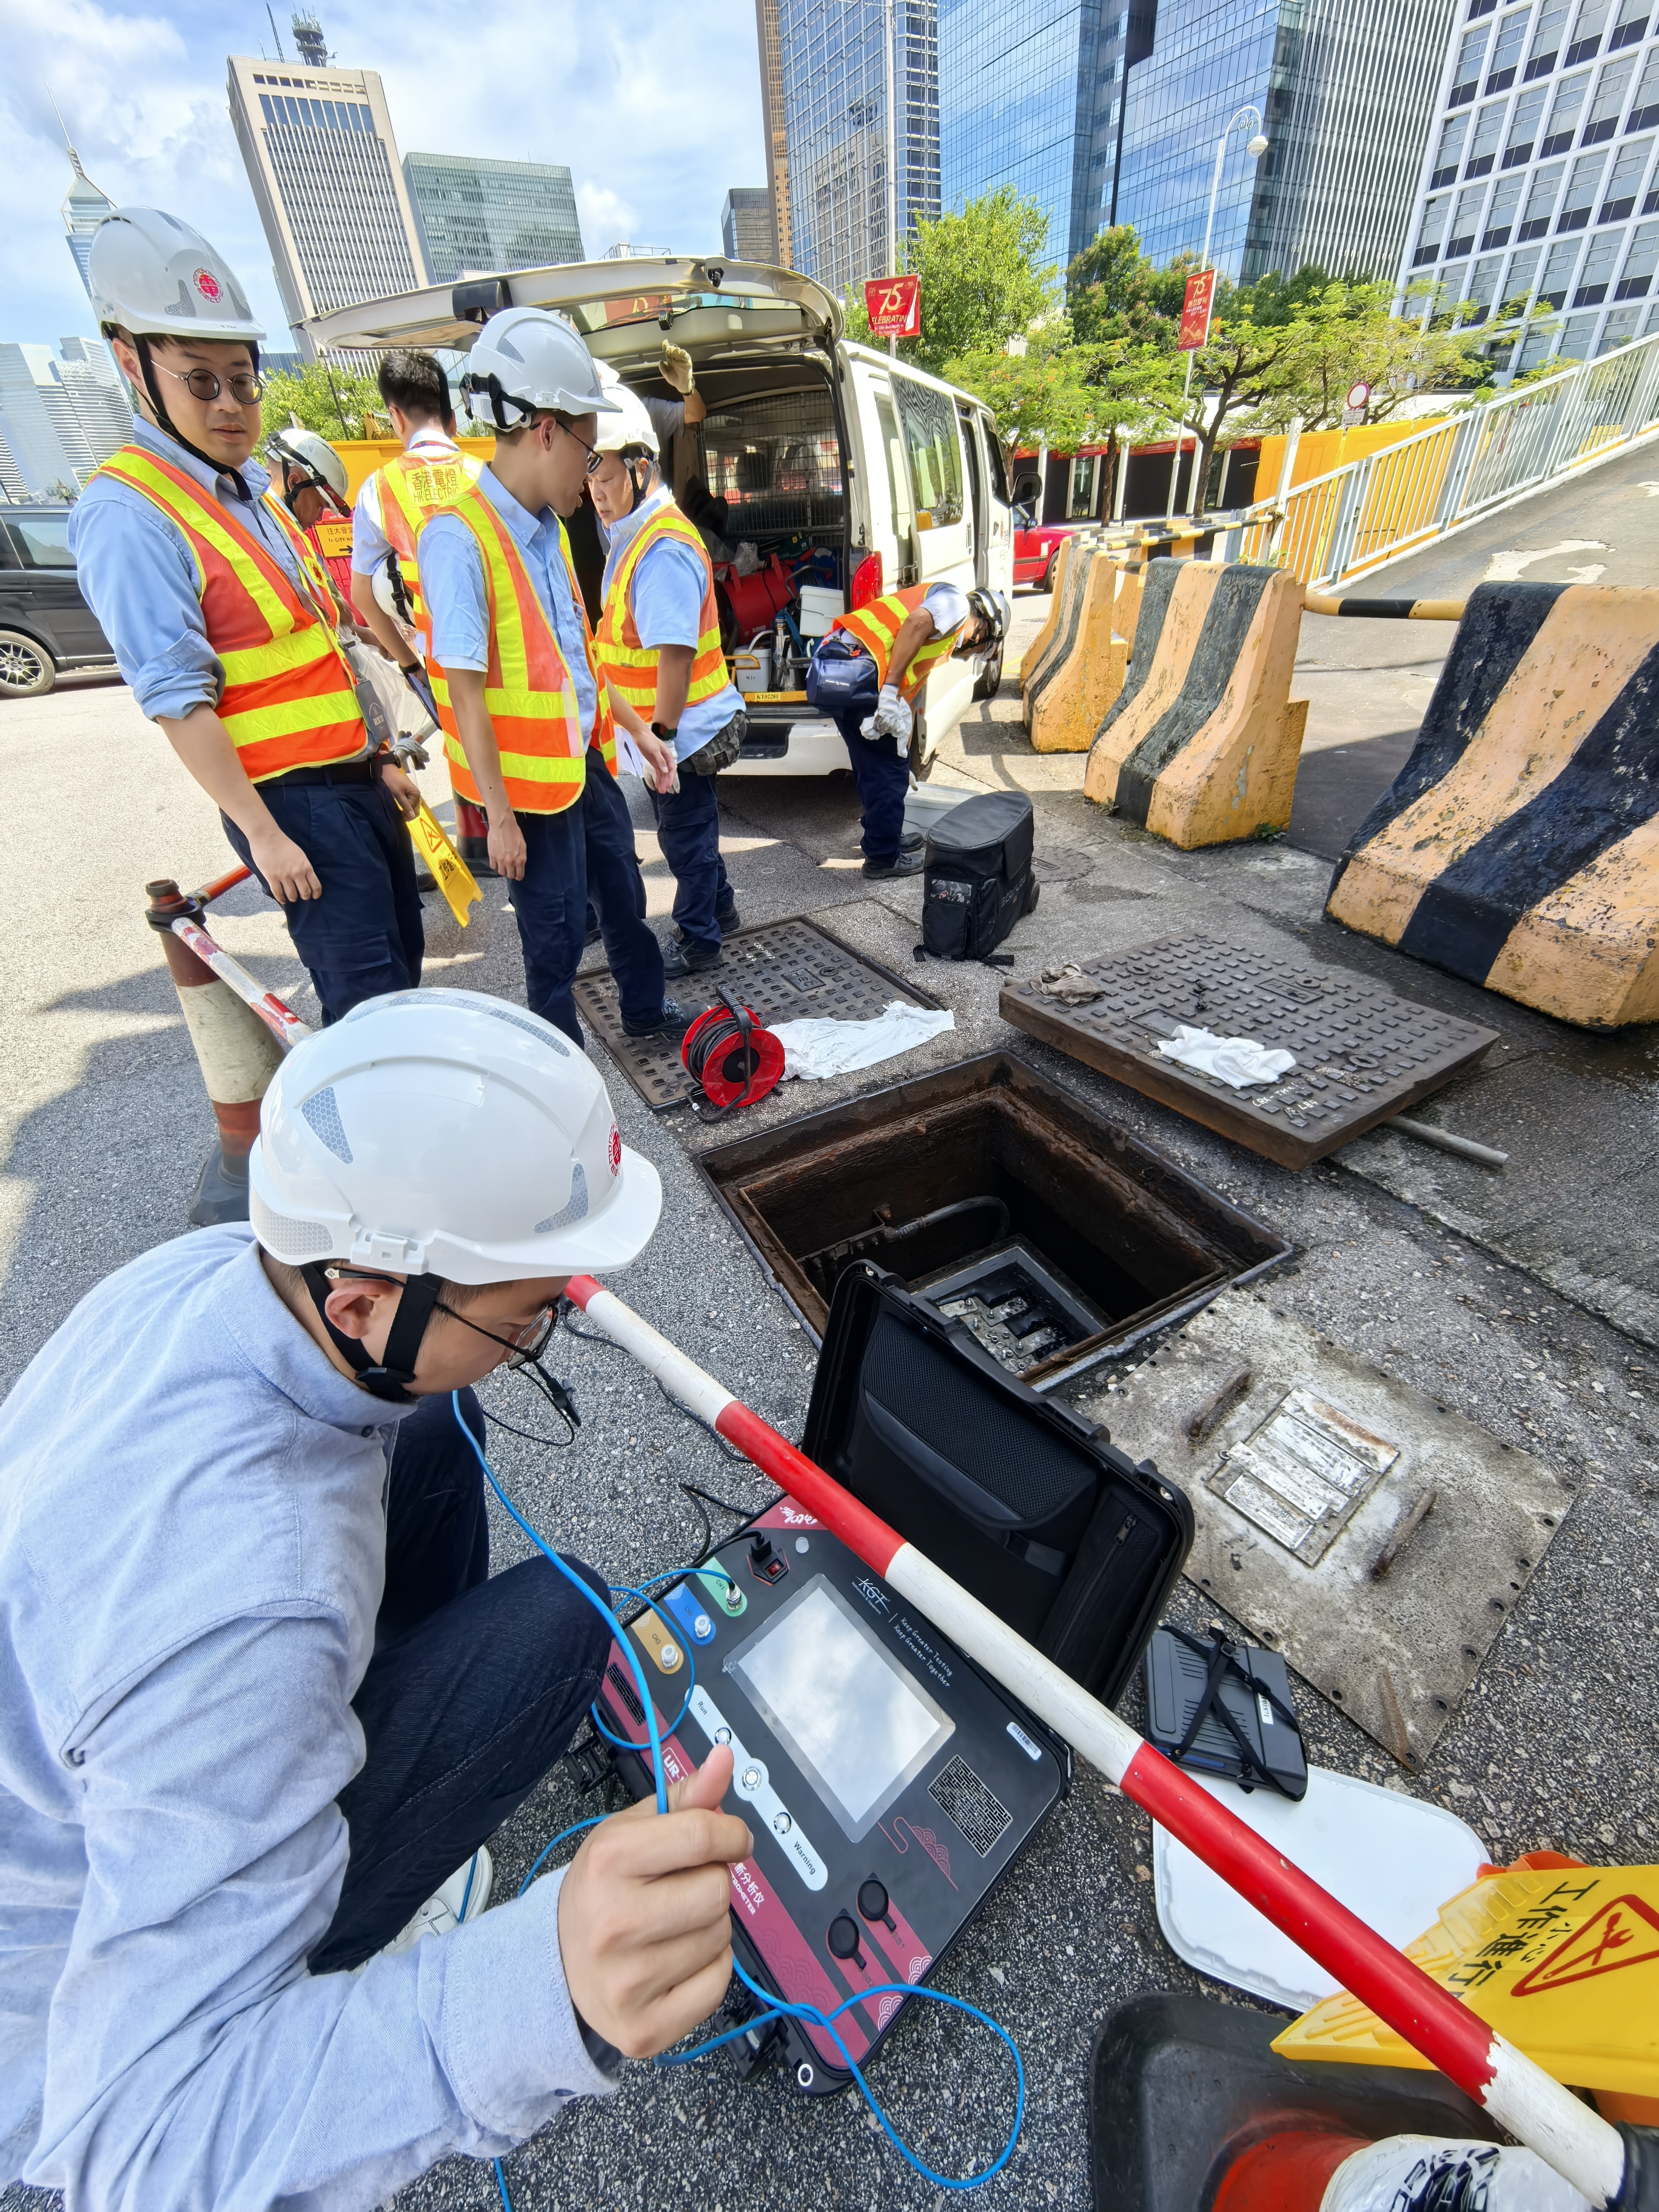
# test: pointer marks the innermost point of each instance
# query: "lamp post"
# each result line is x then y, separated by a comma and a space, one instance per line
1255, 146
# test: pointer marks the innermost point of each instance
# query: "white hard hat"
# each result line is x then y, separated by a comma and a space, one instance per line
157, 277
446, 1133
307, 451
529, 360
631, 424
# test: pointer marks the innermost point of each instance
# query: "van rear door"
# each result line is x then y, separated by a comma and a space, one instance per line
941, 489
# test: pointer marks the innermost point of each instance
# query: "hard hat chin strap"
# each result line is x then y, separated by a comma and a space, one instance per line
390, 1377
165, 422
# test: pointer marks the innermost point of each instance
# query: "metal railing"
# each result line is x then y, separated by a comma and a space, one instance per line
1354, 519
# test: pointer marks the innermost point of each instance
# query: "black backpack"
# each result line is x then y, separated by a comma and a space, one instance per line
978, 880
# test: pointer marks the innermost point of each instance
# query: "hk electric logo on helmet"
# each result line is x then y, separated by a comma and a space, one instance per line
616, 1150
208, 285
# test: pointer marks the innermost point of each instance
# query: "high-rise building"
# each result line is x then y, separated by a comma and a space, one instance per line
97, 392
1538, 171
746, 230
1345, 94
777, 141
48, 445
835, 70
486, 217
13, 485
84, 207
322, 158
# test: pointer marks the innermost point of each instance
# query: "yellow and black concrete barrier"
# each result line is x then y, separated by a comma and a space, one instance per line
1519, 846
1068, 695
1203, 743
1040, 652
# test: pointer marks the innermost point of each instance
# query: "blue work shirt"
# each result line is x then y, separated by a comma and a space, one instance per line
664, 596
138, 575
453, 580
192, 1552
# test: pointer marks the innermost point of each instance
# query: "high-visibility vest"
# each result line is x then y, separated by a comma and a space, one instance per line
289, 698
631, 667
877, 628
530, 694
412, 490
314, 564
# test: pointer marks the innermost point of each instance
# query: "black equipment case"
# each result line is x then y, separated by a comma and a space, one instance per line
1023, 1502
977, 880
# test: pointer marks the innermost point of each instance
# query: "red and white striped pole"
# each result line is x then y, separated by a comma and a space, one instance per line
1586, 2149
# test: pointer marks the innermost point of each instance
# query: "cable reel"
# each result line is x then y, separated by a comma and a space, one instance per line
731, 1058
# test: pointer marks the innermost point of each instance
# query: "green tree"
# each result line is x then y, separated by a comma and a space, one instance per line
1066, 396
327, 399
1115, 293
984, 280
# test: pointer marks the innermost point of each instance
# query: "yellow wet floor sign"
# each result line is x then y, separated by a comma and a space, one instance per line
453, 876
1562, 1960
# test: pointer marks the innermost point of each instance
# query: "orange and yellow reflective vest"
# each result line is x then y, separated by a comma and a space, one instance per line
631, 667
289, 699
412, 488
528, 693
877, 628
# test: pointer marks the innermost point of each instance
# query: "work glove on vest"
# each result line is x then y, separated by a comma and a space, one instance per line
892, 718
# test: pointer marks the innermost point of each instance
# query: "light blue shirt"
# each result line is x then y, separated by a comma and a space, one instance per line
192, 1551
452, 579
369, 543
664, 596
138, 577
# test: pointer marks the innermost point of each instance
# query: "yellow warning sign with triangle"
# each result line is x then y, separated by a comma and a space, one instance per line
1564, 1960
453, 876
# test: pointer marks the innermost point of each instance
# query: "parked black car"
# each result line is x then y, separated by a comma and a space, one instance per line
45, 626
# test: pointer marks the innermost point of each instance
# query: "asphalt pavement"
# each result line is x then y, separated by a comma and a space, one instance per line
1520, 1300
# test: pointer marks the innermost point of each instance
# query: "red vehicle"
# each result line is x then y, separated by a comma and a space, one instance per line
1037, 548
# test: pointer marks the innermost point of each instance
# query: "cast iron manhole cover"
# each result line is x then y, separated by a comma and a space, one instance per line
1362, 1053
785, 972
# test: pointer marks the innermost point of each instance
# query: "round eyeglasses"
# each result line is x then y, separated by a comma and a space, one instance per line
245, 386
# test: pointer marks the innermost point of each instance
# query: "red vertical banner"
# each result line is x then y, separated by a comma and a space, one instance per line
1195, 305
894, 307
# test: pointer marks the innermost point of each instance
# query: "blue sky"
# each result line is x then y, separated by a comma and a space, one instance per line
656, 109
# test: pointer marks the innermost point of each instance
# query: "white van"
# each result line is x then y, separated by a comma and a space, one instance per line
823, 453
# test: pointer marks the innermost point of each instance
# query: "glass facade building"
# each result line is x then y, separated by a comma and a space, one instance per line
491, 215
746, 224
777, 137
834, 68
1539, 197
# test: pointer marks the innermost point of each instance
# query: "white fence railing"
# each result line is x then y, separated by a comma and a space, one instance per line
1339, 526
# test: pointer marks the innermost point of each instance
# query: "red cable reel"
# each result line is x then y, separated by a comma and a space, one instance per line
730, 1057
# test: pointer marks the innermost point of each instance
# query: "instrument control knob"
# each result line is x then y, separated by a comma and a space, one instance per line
872, 1899
844, 1936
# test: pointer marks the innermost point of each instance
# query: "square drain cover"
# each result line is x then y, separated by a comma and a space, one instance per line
784, 971
1362, 1053
1374, 1537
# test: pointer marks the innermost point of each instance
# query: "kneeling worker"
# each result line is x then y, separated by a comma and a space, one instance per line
527, 730
263, 1694
905, 634
205, 590
659, 649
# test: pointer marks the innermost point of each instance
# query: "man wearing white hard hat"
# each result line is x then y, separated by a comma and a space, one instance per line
263, 1702
314, 489
658, 648
529, 730
223, 621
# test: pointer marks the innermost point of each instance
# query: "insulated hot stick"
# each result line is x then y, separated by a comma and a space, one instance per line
1539, 2112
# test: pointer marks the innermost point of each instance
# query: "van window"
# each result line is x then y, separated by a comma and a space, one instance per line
776, 463
899, 484
43, 540
998, 468
929, 423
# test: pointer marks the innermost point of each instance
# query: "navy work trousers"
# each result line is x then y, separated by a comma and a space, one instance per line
616, 888
689, 830
363, 936
476, 1687
881, 773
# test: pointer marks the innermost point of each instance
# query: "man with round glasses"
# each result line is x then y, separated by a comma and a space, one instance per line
224, 621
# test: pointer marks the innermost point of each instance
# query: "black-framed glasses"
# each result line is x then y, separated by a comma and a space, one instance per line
246, 387
525, 1346
589, 467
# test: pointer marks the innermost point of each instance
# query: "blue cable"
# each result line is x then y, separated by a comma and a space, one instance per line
775, 2008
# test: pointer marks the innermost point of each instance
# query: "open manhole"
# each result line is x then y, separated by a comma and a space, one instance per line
1015, 1208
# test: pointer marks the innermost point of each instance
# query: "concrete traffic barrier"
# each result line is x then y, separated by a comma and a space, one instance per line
1519, 846
1068, 701
1040, 654
1201, 744
238, 1048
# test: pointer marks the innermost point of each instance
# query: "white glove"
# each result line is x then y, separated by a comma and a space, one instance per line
676, 365
892, 717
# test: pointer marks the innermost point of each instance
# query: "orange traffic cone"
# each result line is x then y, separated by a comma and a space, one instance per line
1284, 2173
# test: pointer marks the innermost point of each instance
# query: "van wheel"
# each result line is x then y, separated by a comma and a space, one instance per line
989, 682
26, 669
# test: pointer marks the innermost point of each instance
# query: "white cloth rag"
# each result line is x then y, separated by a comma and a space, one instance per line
815, 1049
1238, 1060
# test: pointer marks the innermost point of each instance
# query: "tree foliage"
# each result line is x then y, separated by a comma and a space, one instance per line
984, 280
1115, 294
327, 399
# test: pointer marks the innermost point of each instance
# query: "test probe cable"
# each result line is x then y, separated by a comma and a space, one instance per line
771, 2008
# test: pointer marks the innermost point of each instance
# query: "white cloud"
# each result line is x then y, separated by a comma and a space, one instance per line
607, 219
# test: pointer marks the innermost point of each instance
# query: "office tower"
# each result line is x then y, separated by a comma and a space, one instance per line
1538, 171
746, 225
835, 80
777, 146
322, 158
97, 394
14, 486
1345, 94
483, 216
84, 207
46, 442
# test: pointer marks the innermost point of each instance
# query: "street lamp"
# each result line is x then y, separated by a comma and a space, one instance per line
1255, 146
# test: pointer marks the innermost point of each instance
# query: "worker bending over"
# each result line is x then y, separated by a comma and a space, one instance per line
262, 1695
529, 736
904, 635
223, 624
659, 646
393, 508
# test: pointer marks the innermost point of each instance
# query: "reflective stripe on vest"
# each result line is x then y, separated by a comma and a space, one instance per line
290, 701
877, 628
412, 490
314, 566
631, 667
530, 695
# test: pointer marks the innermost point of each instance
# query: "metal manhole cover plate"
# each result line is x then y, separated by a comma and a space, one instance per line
1362, 1053
784, 971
